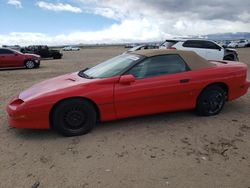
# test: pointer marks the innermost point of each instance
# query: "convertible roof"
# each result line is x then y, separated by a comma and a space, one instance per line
193, 60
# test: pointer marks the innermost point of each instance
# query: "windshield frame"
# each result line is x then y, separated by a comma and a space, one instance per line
140, 58
16, 51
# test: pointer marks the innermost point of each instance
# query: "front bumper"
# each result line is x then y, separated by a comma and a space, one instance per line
20, 116
247, 84
37, 62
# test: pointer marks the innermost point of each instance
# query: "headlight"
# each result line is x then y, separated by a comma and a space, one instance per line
16, 103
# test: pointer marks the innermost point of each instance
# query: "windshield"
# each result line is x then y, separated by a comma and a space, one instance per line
168, 43
111, 67
135, 48
16, 51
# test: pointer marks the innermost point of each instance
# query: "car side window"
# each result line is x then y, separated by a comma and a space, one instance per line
159, 65
5, 51
193, 44
200, 44
210, 45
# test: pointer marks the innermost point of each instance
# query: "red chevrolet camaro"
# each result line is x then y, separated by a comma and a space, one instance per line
134, 84
11, 58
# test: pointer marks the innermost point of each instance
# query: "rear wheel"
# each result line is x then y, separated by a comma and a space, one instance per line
57, 56
211, 101
74, 117
229, 58
29, 64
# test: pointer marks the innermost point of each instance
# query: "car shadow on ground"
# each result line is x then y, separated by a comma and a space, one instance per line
35, 134
12, 69
159, 120
20, 68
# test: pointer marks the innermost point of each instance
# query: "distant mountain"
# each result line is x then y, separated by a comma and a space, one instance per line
228, 36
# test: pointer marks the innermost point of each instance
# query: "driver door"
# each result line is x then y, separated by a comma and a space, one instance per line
162, 84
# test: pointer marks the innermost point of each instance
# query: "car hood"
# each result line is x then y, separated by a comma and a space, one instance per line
53, 85
32, 55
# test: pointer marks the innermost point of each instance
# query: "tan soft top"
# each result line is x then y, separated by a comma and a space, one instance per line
193, 60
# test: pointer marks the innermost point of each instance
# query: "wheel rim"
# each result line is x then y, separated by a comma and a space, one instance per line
75, 118
30, 64
214, 102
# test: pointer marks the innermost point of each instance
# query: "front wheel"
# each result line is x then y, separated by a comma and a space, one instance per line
229, 58
211, 101
29, 64
74, 117
57, 56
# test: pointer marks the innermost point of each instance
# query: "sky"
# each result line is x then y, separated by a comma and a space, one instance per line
65, 22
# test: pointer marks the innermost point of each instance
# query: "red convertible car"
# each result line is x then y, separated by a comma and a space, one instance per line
134, 84
11, 58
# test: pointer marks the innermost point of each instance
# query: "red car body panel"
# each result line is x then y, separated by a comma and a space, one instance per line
115, 100
16, 59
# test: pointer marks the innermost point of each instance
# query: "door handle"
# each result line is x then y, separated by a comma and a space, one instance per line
184, 80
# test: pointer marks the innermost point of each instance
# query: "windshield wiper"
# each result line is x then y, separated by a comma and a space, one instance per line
84, 75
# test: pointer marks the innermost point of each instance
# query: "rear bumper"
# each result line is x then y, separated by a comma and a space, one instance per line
239, 90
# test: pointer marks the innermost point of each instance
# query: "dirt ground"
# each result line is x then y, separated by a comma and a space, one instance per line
166, 150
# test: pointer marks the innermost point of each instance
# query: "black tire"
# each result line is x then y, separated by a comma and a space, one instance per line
229, 58
74, 117
29, 64
211, 101
57, 56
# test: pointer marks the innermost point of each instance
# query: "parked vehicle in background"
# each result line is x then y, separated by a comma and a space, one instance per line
131, 45
238, 44
141, 47
139, 83
207, 49
225, 44
10, 58
70, 48
248, 44
43, 51
232, 45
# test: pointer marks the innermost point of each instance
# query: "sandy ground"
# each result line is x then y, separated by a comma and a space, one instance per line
165, 150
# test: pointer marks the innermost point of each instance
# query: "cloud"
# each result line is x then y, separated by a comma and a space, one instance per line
58, 7
16, 3
145, 20
178, 16
198, 9
127, 31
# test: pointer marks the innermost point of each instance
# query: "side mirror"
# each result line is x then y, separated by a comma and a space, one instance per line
127, 79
